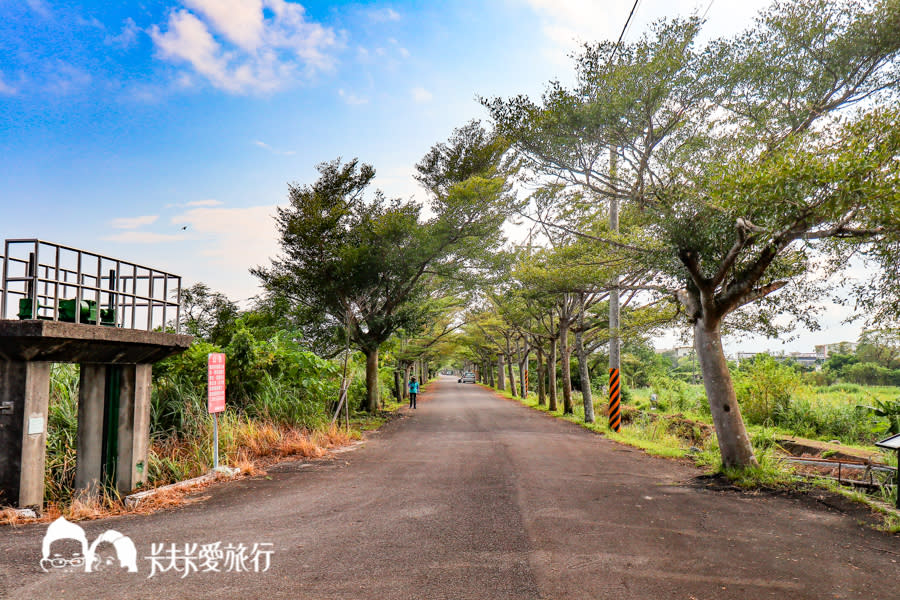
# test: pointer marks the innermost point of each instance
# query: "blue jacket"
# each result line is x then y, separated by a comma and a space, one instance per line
413, 387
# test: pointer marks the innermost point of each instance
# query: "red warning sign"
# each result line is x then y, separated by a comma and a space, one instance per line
216, 383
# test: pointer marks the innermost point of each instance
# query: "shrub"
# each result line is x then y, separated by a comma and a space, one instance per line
764, 388
674, 394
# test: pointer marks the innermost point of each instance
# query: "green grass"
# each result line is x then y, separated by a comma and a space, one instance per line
773, 472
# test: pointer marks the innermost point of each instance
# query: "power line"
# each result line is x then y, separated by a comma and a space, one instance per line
622, 34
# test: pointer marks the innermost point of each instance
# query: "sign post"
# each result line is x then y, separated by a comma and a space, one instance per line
216, 398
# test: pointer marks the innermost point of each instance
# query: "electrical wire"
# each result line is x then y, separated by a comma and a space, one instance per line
622, 34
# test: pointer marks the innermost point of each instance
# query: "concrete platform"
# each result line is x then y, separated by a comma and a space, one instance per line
113, 403
57, 341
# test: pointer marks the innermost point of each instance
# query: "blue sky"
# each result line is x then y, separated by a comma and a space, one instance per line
122, 123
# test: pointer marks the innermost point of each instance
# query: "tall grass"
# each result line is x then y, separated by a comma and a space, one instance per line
62, 428
286, 415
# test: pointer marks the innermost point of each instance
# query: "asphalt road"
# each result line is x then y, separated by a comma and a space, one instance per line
474, 496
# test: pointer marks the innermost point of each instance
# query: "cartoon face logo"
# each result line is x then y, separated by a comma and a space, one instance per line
65, 548
112, 551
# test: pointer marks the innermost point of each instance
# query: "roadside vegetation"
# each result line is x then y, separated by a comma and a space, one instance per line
782, 403
717, 187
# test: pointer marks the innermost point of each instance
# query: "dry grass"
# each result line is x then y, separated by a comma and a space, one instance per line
254, 446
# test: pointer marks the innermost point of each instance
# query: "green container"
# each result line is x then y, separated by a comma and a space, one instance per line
25, 311
67, 312
88, 312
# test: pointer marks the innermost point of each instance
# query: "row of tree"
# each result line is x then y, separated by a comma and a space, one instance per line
712, 177
721, 185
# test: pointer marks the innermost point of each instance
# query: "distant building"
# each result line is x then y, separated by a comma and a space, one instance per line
805, 359
823, 351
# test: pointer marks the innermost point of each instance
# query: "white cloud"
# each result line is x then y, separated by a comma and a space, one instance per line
67, 79
39, 6
383, 15
568, 23
565, 22
133, 222
5, 88
144, 237
238, 237
126, 37
352, 99
262, 46
421, 95
273, 150
241, 21
209, 202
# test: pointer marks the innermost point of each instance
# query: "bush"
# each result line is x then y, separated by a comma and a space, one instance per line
831, 421
764, 388
674, 394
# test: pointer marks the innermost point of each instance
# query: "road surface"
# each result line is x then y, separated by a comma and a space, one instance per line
474, 496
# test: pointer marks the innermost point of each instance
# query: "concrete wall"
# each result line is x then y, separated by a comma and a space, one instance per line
25, 390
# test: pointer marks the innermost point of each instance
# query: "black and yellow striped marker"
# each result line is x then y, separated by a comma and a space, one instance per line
615, 418
526, 383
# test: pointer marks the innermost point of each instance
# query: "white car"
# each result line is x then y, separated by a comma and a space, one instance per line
468, 378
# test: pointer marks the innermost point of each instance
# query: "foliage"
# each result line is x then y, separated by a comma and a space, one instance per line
888, 410
744, 167
370, 265
207, 315
676, 395
764, 388
62, 427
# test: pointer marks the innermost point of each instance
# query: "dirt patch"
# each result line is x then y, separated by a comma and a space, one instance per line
693, 432
798, 446
806, 495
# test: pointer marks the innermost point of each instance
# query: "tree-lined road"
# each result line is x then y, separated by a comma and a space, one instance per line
474, 496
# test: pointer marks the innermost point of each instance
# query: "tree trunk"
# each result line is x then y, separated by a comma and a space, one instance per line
551, 376
585, 377
542, 392
565, 356
490, 371
406, 369
523, 368
372, 379
512, 375
501, 382
398, 386
734, 443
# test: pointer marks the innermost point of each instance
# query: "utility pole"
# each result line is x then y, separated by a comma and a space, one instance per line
615, 419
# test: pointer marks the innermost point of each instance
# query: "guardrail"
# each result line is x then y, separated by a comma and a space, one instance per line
868, 470
48, 281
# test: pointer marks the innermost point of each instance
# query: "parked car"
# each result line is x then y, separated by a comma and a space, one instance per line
468, 378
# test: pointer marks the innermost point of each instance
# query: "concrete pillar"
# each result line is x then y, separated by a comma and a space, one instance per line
91, 412
134, 427
131, 427
24, 402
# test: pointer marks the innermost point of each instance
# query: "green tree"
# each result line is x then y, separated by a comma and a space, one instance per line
208, 315
368, 264
750, 167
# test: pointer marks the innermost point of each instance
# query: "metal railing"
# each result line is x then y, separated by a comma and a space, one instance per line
43, 280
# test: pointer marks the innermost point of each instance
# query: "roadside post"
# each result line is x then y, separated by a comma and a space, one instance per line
216, 398
893, 443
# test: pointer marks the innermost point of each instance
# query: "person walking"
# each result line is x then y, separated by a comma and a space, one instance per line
413, 390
